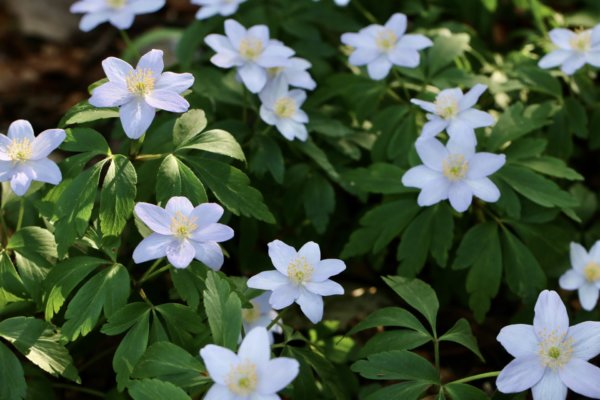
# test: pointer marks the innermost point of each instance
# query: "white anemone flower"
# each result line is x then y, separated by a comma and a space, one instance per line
584, 275
211, 8
260, 315
550, 356
251, 51
294, 73
380, 47
454, 172
120, 13
300, 276
182, 232
574, 49
281, 108
250, 374
24, 157
141, 91
452, 110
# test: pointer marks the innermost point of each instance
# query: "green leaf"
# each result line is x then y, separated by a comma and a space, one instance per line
85, 140
84, 112
118, 196
108, 290
319, 201
267, 156
224, 311
539, 80
188, 125
552, 167
443, 234
124, 318
319, 157
11, 285
177, 179
390, 316
460, 391
400, 391
183, 324
232, 187
401, 339
33, 269
461, 333
189, 283
130, 350
397, 365
215, 141
577, 117
152, 389
11, 371
418, 294
377, 178
40, 343
445, 49
35, 239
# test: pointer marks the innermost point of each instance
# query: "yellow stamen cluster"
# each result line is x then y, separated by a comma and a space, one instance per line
455, 167
386, 40
555, 351
20, 150
251, 48
300, 271
140, 82
592, 272
116, 4
242, 379
251, 314
581, 41
182, 226
285, 107
446, 106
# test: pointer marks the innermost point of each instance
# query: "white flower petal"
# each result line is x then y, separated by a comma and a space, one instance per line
167, 100
434, 192
571, 280
594, 255
146, 6
325, 288
267, 115
550, 314
46, 142
379, 68
433, 127
206, 214
358, 40
219, 392
405, 57
122, 19
281, 255
92, 20
110, 94
579, 256
218, 361
277, 373
152, 247
476, 118
484, 189
458, 146
260, 32
253, 76
595, 36
425, 105
155, 217
519, 340
414, 42
136, 117
311, 252
274, 56
173, 82
20, 182
207, 11
461, 131
484, 164
179, 204
209, 253
283, 296
219, 43
152, 60
472, 97
432, 152
268, 280
520, 374
581, 377
213, 233
21, 129
45, 170
573, 64
460, 195
256, 347
116, 70
588, 296
235, 32
419, 177
554, 58
363, 56
6, 170
180, 253
327, 268
586, 340
311, 305
550, 387
291, 129
561, 37
397, 23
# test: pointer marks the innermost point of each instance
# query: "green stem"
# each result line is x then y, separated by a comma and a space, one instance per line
136, 146
477, 377
21, 213
436, 352
149, 157
80, 389
245, 111
3, 230
145, 298
276, 320
129, 43
364, 11
151, 269
155, 273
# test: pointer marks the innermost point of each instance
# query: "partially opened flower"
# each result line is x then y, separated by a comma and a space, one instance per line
574, 50
301, 277
141, 91
293, 73
454, 172
120, 13
584, 275
453, 111
216, 7
550, 356
24, 157
281, 108
250, 374
251, 51
380, 47
260, 315
182, 233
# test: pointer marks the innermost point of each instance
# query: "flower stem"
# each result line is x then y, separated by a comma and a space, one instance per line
436, 353
21, 212
149, 157
365, 12
150, 270
477, 377
156, 273
276, 320
80, 389
128, 43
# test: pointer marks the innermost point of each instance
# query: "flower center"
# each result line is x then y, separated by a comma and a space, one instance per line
116, 4
242, 379
20, 150
285, 107
274, 71
581, 41
455, 167
251, 48
300, 271
446, 106
251, 314
555, 351
592, 272
386, 40
182, 226
140, 82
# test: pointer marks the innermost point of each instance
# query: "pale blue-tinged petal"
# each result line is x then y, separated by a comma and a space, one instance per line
325, 288
21, 129
123, 19
300, 116
299, 96
230, 7
311, 253
253, 76
571, 280
519, 340
235, 32
5, 142
460, 195
554, 58
358, 40
414, 42
206, 214
283, 296
581, 377
420, 176
220, 392
155, 217
167, 100
458, 146
46, 142
268, 280
520, 374
476, 118
425, 105
595, 36
311, 305
256, 347
452, 93
146, 6
594, 254
432, 128
209, 253
92, 20
561, 37
434, 192
136, 117
219, 43
174, 82
461, 131
432, 152
207, 11
116, 70
213, 233
86, 6
550, 387
260, 32
274, 56
327, 268
300, 78
278, 372
281, 255
579, 256
258, 396
484, 189
152, 247
110, 94
291, 129
379, 68
471, 97
20, 182
484, 164
6, 170
152, 60
267, 115
550, 314
180, 253
227, 59
397, 24
585, 339
573, 64
179, 204
405, 57
219, 362
588, 296
44, 170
